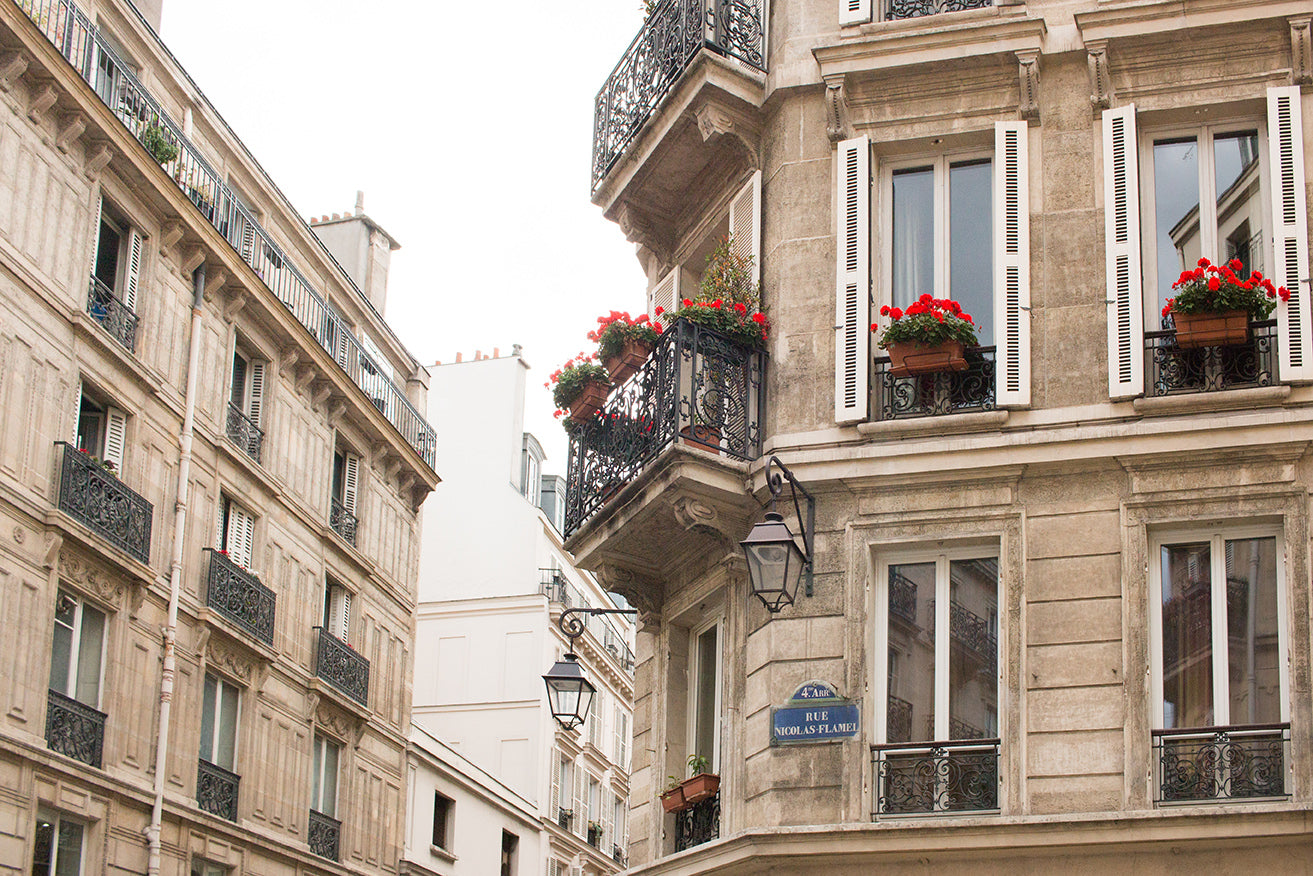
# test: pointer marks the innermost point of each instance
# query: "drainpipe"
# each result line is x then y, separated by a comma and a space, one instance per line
169, 634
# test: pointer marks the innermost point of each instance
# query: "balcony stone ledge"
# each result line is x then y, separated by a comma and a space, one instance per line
948, 424
1207, 402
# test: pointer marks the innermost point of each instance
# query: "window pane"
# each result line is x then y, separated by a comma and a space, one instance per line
1252, 621
207, 719
69, 861
43, 851
973, 649
317, 775
61, 655
971, 243
328, 803
913, 235
1176, 217
89, 652
1239, 199
911, 697
704, 739
107, 255
226, 749
1187, 636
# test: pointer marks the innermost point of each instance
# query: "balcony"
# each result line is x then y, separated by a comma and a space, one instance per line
324, 836
898, 9
1171, 370
244, 433
343, 522
902, 597
113, 315
341, 666
563, 818
697, 387
1211, 764
77, 39
74, 729
898, 723
240, 597
216, 790
973, 635
104, 504
935, 777
933, 395
698, 824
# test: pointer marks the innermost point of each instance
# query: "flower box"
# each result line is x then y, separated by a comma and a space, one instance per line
626, 363
700, 787
673, 800
1211, 329
590, 401
907, 358
701, 437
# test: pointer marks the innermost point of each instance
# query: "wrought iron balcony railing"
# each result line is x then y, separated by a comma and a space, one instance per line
75, 729
667, 43
104, 504
341, 666
240, 597
895, 9
898, 722
698, 824
563, 818
697, 386
1174, 371
557, 589
81, 44
930, 395
114, 316
244, 433
216, 790
974, 634
929, 777
343, 522
902, 597
1222, 763
324, 836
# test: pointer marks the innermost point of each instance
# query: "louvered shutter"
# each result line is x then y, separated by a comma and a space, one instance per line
350, 481
255, 403
608, 824
665, 294
852, 341
221, 524
745, 224
617, 742
100, 217
343, 613
73, 436
1012, 263
854, 11
248, 240
554, 808
1290, 232
132, 275
343, 348
580, 821
241, 536
116, 436
1121, 204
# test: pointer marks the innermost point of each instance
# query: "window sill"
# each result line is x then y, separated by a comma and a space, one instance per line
949, 424
1222, 400
440, 852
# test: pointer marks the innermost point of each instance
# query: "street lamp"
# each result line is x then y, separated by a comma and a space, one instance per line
569, 692
776, 564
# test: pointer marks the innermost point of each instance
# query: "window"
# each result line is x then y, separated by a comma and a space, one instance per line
116, 275
620, 818
621, 738
510, 846
57, 850
206, 868
531, 461
337, 610
78, 652
562, 790
246, 403
323, 790
236, 535
102, 431
346, 489
219, 723
444, 810
594, 808
596, 721
704, 694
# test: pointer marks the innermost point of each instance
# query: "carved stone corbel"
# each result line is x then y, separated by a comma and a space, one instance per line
699, 517
261, 676
215, 281
393, 466
643, 592
320, 396
407, 481
13, 66
42, 101
97, 161
311, 706
54, 543
74, 125
836, 110
335, 413
639, 229
1028, 84
170, 234
203, 640
303, 378
191, 260
287, 358
1096, 60
713, 121
233, 306
1301, 50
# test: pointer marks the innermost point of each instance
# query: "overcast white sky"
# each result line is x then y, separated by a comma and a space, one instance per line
468, 125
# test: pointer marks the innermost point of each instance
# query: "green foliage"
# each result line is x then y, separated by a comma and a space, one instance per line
728, 300
568, 383
159, 144
697, 764
1212, 288
928, 321
616, 329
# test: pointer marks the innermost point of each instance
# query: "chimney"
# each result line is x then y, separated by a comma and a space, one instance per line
363, 249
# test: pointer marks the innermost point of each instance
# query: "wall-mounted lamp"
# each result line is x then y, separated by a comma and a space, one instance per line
569, 692
775, 562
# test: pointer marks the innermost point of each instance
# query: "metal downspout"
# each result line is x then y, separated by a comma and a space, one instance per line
169, 633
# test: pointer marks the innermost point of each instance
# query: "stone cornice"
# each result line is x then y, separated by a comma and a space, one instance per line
1130, 18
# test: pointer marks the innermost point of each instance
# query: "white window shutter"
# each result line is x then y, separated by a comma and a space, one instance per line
73, 436
95, 249
241, 535
255, 403
132, 273
116, 436
350, 482
1012, 264
618, 739
852, 341
745, 223
580, 821
342, 621
343, 348
555, 806
248, 241
220, 524
608, 823
665, 294
854, 11
1290, 232
1125, 296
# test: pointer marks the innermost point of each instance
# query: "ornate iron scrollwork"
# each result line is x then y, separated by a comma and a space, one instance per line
930, 395
240, 597
698, 824
938, 777
917, 8
343, 522
216, 790
75, 729
243, 432
113, 315
1222, 763
104, 504
342, 667
1173, 370
324, 835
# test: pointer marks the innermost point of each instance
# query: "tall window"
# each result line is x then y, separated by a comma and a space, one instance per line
78, 652
940, 233
510, 846
621, 738
219, 723
102, 431
57, 850
444, 810
116, 275
246, 394
345, 490
704, 693
337, 609
323, 788
236, 535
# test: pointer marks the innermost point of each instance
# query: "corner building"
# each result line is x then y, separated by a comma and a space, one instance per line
1068, 587
212, 457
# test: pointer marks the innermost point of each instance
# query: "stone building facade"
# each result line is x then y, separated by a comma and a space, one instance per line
1069, 586
212, 458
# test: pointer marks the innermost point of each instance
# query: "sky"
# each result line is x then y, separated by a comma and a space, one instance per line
469, 128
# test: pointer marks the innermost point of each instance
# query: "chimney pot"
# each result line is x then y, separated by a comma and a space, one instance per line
336, 216
458, 355
496, 352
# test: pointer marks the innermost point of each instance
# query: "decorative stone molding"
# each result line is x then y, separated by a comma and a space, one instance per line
54, 543
13, 66
1096, 60
43, 100
287, 358
639, 229
74, 125
93, 579
335, 413
836, 110
303, 378
236, 301
320, 396
170, 234
714, 121
96, 161
641, 591
1028, 84
220, 654
697, 516
216, 280
1301, 50
191, 260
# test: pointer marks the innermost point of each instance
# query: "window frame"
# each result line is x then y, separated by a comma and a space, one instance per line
56, 820
444, 828
695, 675
223, 689
73, 679
319, 772
244, 558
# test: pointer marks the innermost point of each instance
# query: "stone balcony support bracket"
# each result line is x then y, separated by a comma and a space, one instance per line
1301, 50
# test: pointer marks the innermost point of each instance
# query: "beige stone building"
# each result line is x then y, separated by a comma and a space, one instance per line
1068, 587
212, 457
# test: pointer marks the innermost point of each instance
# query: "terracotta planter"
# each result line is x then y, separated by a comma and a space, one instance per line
1211, 329
589, 402
700, 787
907, 358
626, 364
702, 437
673, 800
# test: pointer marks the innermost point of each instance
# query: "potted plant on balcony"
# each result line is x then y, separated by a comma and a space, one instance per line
102, 464
579, 388
930, 336
594, 833
1213, 306
672, 799
728, 299
159, 144
624, 343
701, 784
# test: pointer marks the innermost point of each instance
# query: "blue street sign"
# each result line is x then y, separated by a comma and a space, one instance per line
815, 713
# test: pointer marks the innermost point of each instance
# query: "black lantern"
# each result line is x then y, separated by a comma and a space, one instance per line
776, 564
569, 693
